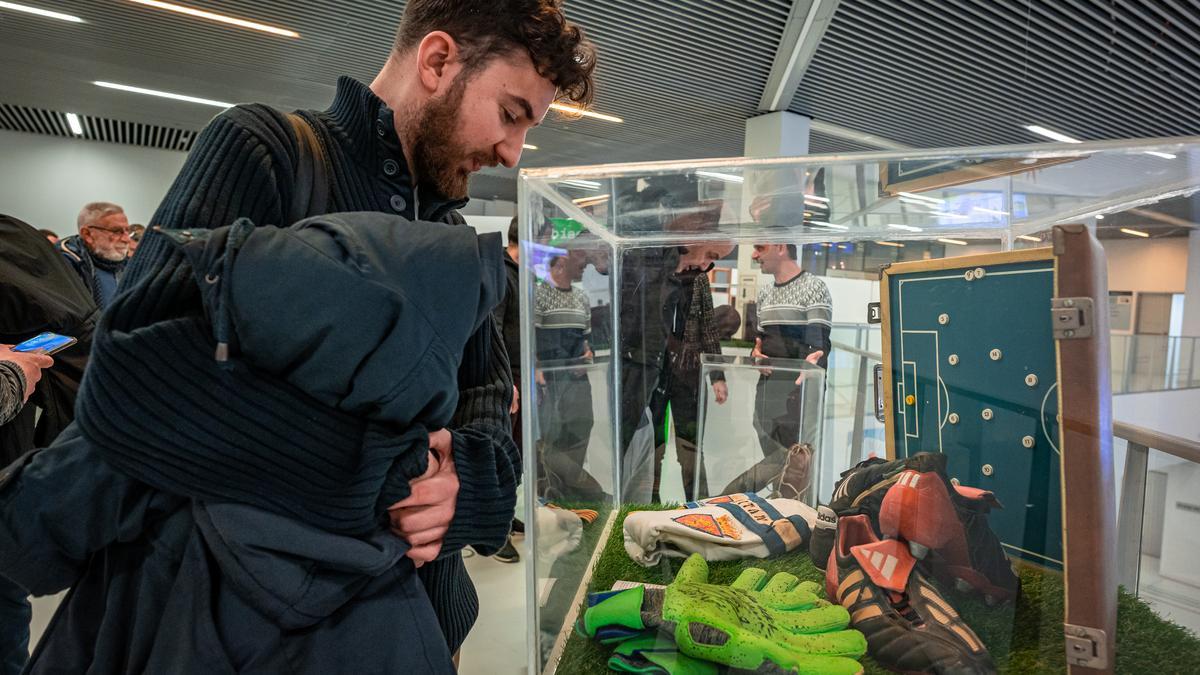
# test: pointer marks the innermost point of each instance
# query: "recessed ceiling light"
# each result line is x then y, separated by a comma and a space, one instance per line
213, 16
727, 177
572, 110
1164, 155
909, 228
816, 198
1051, 134
527, 146
894, 244
956, 242
163, 94
1099, 216
1029, 238
40, 12
994, 212
1136, 233
821, 223
73, 122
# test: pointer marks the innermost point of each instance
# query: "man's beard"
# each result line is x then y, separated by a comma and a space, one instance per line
436, 164
111, 254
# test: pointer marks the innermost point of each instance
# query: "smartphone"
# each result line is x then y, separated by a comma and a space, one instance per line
46, 343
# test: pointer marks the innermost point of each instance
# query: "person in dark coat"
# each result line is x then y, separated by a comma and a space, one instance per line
461, 89
38, 293
19, 374
99, 251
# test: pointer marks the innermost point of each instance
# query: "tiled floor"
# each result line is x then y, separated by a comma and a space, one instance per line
497, 644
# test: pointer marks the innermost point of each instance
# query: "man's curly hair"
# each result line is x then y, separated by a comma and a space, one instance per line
487, 28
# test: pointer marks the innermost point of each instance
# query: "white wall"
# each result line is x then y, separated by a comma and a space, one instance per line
1147, 265
45, 180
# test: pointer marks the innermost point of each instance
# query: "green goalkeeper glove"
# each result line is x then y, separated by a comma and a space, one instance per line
753, 624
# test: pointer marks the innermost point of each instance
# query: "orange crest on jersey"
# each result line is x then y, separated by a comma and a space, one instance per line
701, 522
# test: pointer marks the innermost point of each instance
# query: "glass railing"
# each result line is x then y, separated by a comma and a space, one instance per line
1143, 363
1158, 509
1140, 363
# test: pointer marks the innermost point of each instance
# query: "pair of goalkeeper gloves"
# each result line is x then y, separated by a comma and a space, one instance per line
765, 626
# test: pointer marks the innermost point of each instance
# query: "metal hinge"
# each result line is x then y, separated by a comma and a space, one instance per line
1086, 647
879, 405
1072, 318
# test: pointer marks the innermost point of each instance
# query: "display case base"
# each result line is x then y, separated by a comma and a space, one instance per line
1021, 637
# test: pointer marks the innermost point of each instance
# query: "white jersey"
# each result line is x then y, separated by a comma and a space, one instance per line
732, 527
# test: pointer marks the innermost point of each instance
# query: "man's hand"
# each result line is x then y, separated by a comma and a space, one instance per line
31, 366
812, 358
516, 402
424, 517
721, 391
757, 353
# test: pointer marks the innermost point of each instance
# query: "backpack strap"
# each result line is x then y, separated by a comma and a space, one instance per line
310, 192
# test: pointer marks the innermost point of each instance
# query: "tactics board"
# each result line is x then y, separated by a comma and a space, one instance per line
971, 370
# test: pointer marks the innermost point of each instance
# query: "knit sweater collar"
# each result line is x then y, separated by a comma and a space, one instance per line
368, 123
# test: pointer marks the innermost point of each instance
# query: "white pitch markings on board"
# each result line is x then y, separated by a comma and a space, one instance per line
1045, 431
937, 360
916, 409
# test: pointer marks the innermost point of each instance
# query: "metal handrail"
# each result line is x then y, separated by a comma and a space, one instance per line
1156, 440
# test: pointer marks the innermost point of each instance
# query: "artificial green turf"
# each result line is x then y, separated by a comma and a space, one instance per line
1026, 637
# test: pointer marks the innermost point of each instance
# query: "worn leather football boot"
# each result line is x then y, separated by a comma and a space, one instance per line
909, 626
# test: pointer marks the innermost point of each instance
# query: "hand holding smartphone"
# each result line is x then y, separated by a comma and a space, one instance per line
46, 343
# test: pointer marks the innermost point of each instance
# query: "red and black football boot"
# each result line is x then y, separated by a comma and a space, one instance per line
946, 526
909, 626
859, 490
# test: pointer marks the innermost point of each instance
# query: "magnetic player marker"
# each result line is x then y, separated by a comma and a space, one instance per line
969, 275
943, 319
995, 354
954, 482
979, 272
910, 399
953, 359
1027, 441
952, 418
988, 470
1031, 380
987, 414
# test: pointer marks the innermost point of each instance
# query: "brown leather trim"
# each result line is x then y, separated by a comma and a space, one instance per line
853, 578
787, 531
865, 613
852, 596
932, 596
967, 636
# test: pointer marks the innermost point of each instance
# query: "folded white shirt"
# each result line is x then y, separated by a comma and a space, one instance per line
731, 527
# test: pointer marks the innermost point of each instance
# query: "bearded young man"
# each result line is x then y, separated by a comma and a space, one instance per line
465, 82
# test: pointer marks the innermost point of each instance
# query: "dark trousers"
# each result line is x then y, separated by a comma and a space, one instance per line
642, 386
565, 421
15, 613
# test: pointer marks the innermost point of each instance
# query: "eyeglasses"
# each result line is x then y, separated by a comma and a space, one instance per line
117, 232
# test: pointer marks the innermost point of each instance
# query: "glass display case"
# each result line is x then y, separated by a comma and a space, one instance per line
696, 405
